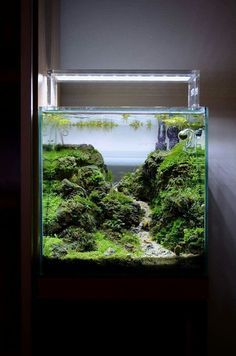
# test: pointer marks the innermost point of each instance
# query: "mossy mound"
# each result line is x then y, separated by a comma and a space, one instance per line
120, 212
63, 161
172, 183
78, 239
142, 183
78, 200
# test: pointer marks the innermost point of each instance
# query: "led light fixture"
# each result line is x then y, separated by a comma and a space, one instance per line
190, 77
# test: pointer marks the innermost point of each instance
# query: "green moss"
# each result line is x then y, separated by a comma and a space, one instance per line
77, 211
136, 124
91, 178
79, 239
142, 183
179, 204
172, 182
98, 124
177, 121
53, 247
104, 244
119, 212
90, 217
57, 124
83, 155
149, 124
67, 189
181, 122
51, 204
125, 117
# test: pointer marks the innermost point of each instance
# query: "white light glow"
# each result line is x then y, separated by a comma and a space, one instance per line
40, 78
121, 78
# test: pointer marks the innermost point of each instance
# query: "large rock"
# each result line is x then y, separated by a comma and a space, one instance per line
120, 212
77, 211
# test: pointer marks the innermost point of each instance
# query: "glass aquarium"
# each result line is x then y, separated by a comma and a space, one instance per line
123, 187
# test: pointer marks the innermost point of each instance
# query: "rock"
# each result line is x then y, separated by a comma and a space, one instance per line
58, 251
68, 188
65, 168
172, 134
91, 178
79, 239
120, 212
177, 250
77, 211
110, 251
161, 137
129, 247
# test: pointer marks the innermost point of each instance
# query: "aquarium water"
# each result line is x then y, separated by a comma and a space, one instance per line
123, 185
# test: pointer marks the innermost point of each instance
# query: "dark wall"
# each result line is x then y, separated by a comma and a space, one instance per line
169, 34
10, 178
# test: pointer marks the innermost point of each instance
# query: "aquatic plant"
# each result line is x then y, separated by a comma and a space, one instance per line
194, 121
178, 121
130, 241
149, 124
136, 124
125, 117
57, 126
161, 117
98, 124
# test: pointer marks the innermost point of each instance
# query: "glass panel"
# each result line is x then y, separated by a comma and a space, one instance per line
123, 188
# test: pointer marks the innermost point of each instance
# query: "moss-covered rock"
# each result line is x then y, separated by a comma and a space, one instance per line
91, 178
79, 199
70, 175
179, 204
64, 160
68, 188
54, 247
120, 212
51, 204
173, 184
142, 183
77, 211
78, 239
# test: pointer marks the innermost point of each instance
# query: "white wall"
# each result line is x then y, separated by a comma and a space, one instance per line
183, 34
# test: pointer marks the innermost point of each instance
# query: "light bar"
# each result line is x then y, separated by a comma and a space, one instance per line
189, 77
121, 78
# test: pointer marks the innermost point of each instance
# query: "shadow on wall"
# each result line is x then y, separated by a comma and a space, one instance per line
222, 234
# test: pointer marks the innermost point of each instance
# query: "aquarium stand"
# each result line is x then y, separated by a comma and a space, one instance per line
189, 289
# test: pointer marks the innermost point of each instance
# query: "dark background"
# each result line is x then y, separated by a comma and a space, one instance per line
10, 178
134, 34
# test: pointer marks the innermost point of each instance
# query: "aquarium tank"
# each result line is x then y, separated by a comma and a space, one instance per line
123, 187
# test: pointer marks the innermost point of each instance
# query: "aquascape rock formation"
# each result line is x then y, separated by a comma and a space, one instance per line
86, 217
172, 183
81, 210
